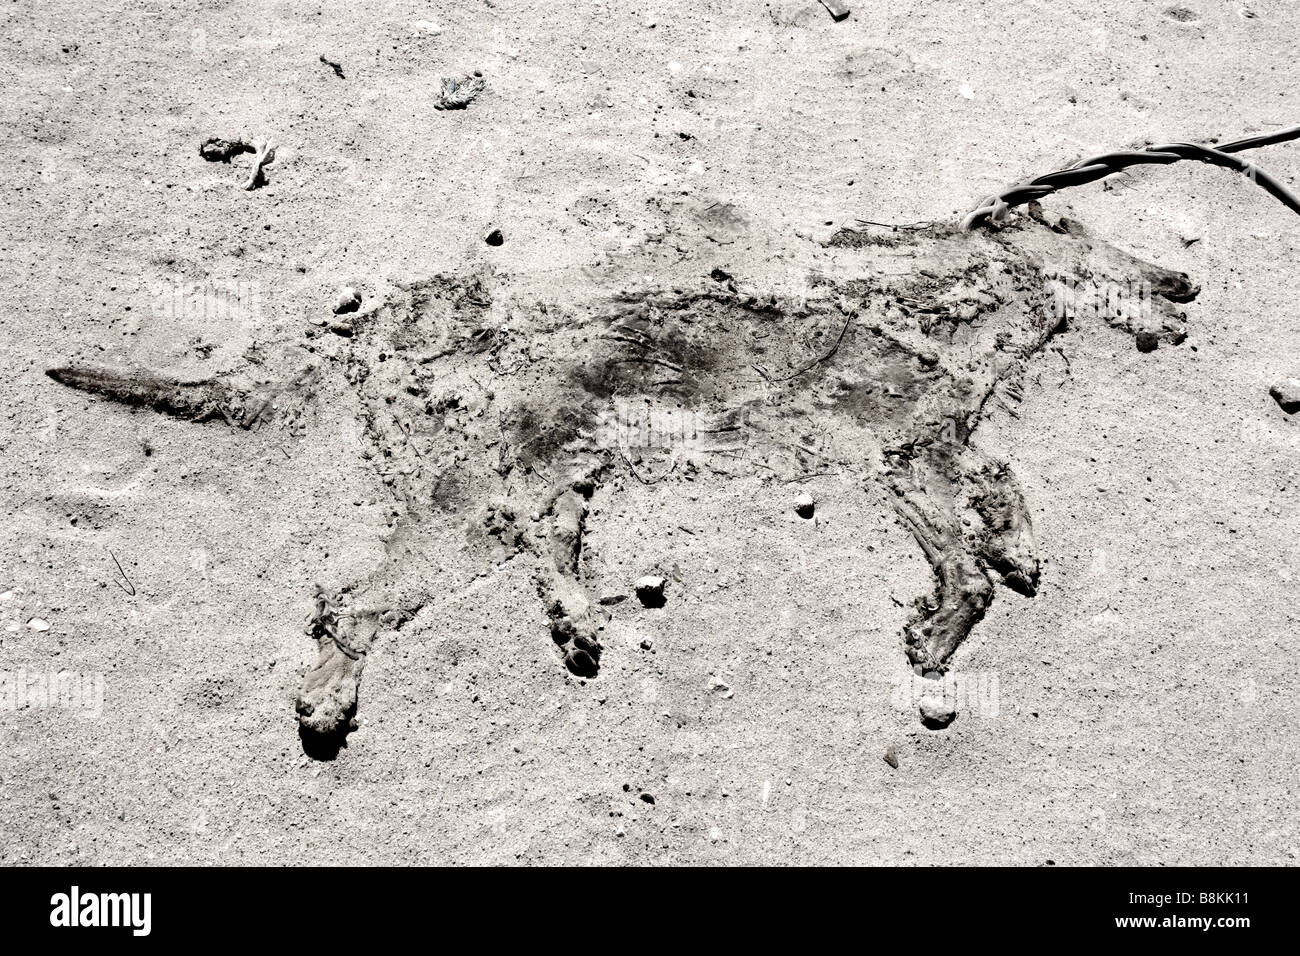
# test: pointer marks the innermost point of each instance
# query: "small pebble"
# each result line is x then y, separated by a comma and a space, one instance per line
348, 301
650, 590
720, 686
1147, 341
36, 624
937, 711
804, 506
891, 757
1287, 394
494, 238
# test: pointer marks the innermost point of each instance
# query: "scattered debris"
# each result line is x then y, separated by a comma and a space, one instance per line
336, 67
1287, 394
937, 710
1147, 341
494, 238
216, 150
838, 9
348, 301
650, 591
264, 155
720, 686
891, 757
458, 94
36, 624
804, 506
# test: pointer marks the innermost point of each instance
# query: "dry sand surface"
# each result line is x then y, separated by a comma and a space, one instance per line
1136, 706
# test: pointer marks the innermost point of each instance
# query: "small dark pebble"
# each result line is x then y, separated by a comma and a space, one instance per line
494, 238
1147, 341
216, 150
580, 662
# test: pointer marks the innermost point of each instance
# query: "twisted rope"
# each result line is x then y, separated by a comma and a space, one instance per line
1089, 170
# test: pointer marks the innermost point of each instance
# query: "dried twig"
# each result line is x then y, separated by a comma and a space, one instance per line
809, 476
647, 360
639, 477
848, 319
128, 587
336, 67
264, 155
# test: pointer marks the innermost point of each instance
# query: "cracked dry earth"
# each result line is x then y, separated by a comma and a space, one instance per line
492, 416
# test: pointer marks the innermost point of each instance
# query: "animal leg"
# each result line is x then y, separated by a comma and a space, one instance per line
1000, 532
574, 624
327, 701
967, 513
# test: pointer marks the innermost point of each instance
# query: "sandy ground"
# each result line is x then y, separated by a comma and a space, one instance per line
1146, 713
